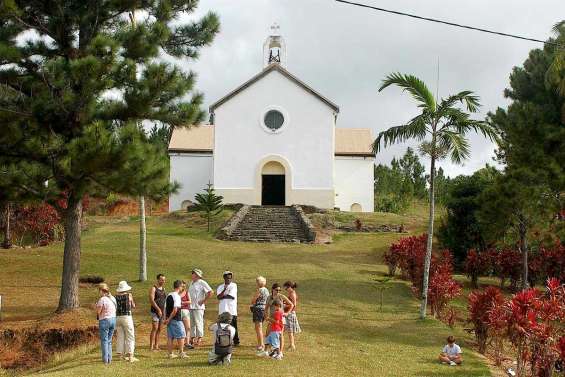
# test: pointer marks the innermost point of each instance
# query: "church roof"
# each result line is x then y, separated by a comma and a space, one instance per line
353, 142
196, 139
265, 72
200, 139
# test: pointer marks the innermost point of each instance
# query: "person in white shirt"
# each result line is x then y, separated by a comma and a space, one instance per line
199, 292
227, 295
223, 340
451, 353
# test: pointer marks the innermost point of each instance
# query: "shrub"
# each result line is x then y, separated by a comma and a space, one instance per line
476, 264
532, 322
506, 264
408, 255
39, 222
441, 290
480, 304
91, 279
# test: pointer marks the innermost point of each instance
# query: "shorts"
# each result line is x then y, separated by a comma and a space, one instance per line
184, 313
197, 323
291, 324
214, 359
258, 314
274, 339
175, 330
155, 318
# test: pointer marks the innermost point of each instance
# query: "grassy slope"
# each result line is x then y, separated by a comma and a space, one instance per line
344, 332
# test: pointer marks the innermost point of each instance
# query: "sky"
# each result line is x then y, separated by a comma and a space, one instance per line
344, 52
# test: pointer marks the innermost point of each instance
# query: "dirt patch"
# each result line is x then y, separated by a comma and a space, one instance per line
31, 343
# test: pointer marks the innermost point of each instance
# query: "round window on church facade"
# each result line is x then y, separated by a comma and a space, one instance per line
274, 120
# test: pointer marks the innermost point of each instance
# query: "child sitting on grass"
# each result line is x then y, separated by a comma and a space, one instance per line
273, 340
451, 353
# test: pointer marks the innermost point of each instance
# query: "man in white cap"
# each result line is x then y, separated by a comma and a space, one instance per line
199, 292
227, 295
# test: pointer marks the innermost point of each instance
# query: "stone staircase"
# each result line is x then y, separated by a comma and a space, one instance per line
269, 224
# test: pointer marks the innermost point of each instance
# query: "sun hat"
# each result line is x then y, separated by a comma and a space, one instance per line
198, 272
227, 273
123, 287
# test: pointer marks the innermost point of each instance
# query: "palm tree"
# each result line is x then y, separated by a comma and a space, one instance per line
440, 129
556, 73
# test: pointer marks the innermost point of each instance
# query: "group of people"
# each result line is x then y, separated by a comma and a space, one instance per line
182, 312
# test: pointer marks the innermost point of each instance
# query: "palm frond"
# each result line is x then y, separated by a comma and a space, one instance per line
478, 126
465, 97
416, 128
416, 87
454, 143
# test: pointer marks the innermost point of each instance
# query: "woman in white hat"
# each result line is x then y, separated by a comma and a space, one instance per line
124, 322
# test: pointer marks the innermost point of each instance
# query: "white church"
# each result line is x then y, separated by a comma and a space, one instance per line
273, 141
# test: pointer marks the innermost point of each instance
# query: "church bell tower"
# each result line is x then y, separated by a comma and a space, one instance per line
274, 48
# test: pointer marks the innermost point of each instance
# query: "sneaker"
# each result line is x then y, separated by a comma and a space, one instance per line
183, 355
173, 356
132, 359
452, 363
263, 354
189, 346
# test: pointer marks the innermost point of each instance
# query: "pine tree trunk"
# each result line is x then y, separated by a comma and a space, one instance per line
428, 258
7, 243
524, 251
142, 241
69, 298
209, 214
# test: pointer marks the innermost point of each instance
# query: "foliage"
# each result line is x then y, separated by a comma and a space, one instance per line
477, 264
396, 186
532, 322
408, 255
39, 222
461, 229
60, 63
441, 129
209, 203
479, 305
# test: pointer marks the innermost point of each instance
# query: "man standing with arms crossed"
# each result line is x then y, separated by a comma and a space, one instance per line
200, 292
157, 297
227, 294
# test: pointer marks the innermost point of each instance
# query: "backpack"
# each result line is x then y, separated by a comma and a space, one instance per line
224, 343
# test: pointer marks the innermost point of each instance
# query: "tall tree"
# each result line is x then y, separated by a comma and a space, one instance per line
85, 78
461, 229
531, 147
413, 170
441, 129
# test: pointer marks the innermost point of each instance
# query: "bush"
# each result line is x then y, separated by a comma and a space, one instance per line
480, 304
408, 255
532, 323
441, 290
39, 222
476, 264
91, 279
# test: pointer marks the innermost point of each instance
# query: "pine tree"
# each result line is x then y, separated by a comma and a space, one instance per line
209, 203
82, 81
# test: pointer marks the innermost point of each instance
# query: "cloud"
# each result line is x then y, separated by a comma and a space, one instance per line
344, 52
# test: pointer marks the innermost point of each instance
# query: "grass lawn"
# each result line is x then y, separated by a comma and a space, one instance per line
344, 333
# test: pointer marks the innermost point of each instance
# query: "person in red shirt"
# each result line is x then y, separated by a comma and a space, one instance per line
273, 340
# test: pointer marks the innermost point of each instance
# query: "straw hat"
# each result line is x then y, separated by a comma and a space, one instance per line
123, 287
198, 272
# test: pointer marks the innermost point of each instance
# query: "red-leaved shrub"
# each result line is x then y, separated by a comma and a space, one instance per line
476, 264
480, 304
532, 322
39, 222
441, 290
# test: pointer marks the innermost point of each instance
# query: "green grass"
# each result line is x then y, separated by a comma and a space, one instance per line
344, 333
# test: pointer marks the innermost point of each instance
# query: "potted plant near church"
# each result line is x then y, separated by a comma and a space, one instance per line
209, 203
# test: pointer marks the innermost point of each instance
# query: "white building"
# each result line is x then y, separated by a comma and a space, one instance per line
274, 141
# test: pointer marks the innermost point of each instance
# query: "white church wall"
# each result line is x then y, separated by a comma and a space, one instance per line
306, 142
354, 181
193, 171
